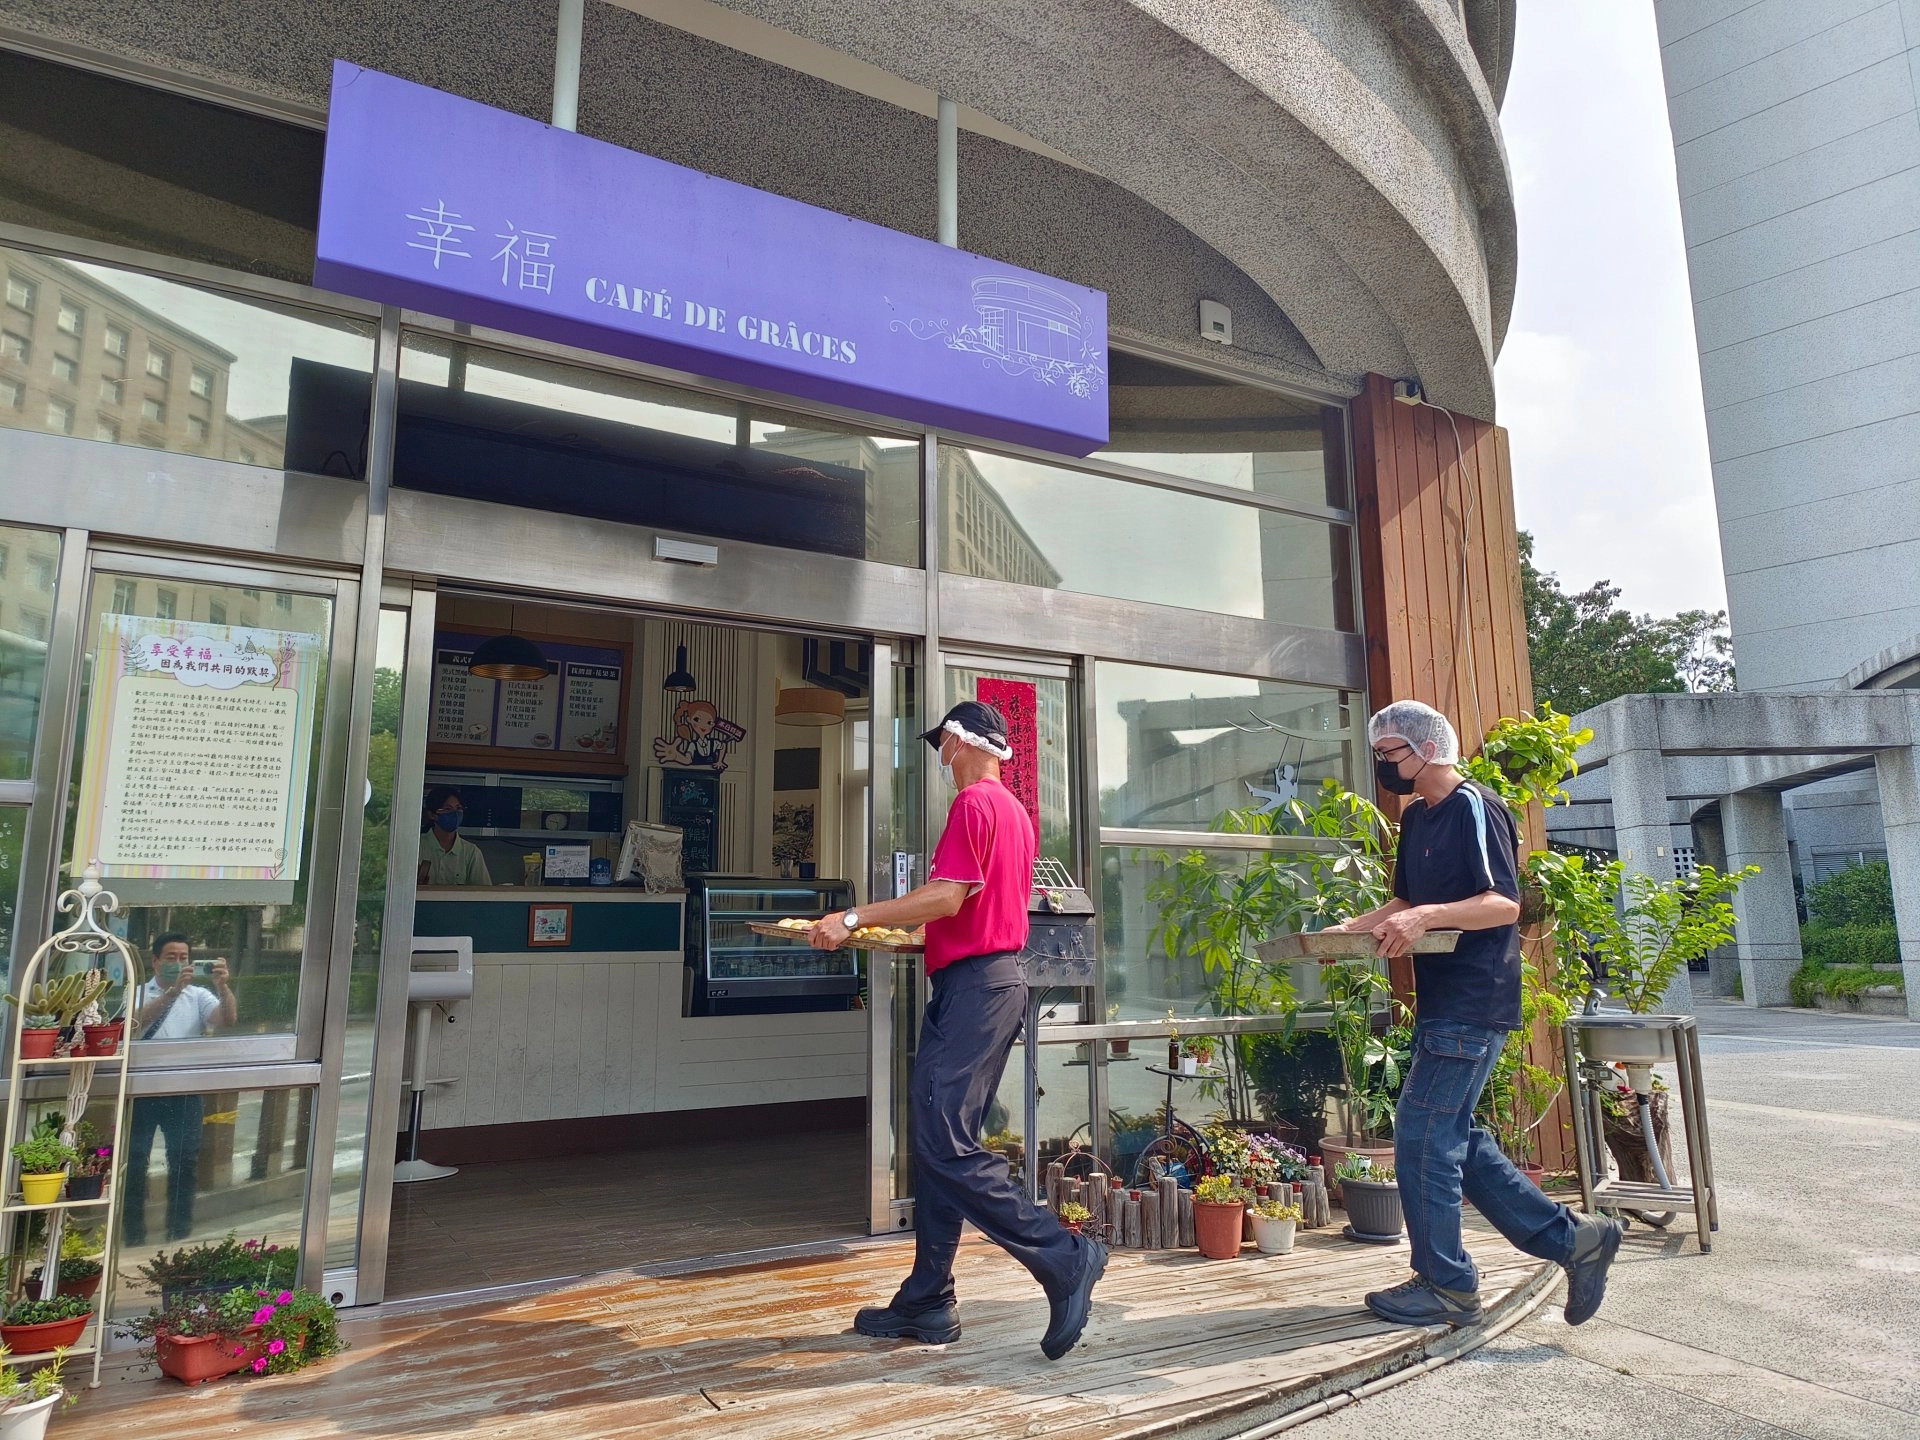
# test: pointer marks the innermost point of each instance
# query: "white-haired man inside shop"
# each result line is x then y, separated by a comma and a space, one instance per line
974, 906
1455, 869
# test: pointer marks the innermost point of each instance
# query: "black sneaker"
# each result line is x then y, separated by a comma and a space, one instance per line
1070, 1310
930, 1327
1595, 1244
1420, 1302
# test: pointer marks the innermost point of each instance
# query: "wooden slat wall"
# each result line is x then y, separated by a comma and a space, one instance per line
1427, 522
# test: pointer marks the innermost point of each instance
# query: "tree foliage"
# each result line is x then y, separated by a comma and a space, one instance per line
1586, 650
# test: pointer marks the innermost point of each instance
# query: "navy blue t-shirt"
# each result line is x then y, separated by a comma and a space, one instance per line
1460, 848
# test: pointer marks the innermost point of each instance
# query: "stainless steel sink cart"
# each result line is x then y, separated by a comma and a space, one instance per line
1639, 1042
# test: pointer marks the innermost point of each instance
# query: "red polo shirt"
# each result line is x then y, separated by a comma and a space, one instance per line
989, 845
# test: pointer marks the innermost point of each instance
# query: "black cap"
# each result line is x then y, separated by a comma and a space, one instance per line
974, 717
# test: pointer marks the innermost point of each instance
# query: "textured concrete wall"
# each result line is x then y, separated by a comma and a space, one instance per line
1797, 141
1332, 169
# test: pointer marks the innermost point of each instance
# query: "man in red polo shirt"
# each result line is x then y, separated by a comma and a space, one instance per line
974, 906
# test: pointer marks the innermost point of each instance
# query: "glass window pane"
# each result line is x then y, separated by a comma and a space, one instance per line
1053, 778
211, 374
1183, 423
195, 781
1178, 748
363, 985
198, 1167
493, 426
29, 569
1062, 1111
13, 838
1033, 523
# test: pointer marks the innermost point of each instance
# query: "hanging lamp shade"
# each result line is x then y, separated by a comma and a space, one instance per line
809, 705
679, 680
508, 657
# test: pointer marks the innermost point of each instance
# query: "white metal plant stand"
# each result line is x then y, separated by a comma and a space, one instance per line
84, 937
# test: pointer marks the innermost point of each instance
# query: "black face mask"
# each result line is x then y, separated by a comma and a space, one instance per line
1387, 772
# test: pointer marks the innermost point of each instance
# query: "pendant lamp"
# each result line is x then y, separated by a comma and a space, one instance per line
508, 657
680, 680
809, 705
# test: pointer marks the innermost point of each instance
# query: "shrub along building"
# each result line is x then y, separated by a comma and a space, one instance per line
670, 463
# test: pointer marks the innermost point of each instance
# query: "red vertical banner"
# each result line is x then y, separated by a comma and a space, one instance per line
1018, 702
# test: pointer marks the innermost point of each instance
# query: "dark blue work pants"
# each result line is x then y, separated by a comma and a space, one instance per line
975, 1015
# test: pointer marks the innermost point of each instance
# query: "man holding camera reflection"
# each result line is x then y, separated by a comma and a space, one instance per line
172, 1006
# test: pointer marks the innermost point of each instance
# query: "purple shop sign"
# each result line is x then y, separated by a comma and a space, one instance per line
445, 205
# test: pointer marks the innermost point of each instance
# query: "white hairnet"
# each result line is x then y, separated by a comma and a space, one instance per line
1419, 725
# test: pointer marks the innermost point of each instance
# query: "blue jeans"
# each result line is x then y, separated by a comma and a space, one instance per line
975, 1015
1439, 1154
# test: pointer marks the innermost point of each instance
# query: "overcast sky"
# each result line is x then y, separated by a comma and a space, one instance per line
1599, 383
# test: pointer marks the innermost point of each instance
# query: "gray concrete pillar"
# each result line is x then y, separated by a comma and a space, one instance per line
1899, 775
1710, 848
1643, 837
1767, 939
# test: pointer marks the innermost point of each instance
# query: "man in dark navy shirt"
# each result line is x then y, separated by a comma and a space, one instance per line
1456, 870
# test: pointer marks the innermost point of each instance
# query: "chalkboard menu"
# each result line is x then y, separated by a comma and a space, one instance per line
570, 719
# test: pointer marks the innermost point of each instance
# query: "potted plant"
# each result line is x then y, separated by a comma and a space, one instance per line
286, 1329
1219, 1210
56, 1005
192, 1341
1372, 1199
1117, 1047
40, 1027
211, 1269
1073, 1215
44, 1158
93, 1164
103, 1039
1273, 1225
27, 1401
1199, 1055
31, 1327
1374, 1065
80, 1269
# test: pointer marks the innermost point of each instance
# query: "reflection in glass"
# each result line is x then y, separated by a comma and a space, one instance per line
363, 985
1032, 523
177, 368
490, 425
29, 569
1181, 422
1063, 1108
195, 1167
231, 959
13, 836
1053, 750
1178, 748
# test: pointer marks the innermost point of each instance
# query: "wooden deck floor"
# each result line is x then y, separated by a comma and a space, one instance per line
766, 1350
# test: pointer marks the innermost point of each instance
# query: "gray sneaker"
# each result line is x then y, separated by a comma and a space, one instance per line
1595, 1244
1421, 1302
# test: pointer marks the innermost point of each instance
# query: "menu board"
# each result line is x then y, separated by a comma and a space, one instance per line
574, 711
197, 750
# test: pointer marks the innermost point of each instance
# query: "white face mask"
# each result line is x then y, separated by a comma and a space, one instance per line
946, 771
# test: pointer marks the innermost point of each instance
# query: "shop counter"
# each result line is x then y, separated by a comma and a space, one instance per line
577, 1012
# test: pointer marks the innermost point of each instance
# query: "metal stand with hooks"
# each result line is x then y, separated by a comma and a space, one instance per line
84, 936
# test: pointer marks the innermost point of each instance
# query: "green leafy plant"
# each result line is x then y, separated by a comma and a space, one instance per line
1373, 1064
17, 1389
1846, 982
1528, 757
59, 1002
1074, 1213
46, 1312
292, 1327
1274, 1210
1645, 931
43, 1154
73, 1271
219, 1264
1519, 1095
1261, 1159
1358, 1167
1857, 895
1219, 1190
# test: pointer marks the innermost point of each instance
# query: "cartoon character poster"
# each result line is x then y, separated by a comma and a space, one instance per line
699, 739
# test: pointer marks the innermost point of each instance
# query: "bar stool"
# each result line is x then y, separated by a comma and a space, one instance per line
429, 987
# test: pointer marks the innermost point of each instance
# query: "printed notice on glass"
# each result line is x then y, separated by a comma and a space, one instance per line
197, 751
462, 709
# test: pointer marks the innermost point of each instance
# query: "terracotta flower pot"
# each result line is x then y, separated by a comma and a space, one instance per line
105, 1039
1335, 1148
37, 1339
1216, 1229
1536, 1173
194, 1359
38, 1044
86, 1289
1373, 1207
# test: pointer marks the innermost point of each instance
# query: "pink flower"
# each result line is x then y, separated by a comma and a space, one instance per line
283, 1298
274, 1347
260, 1366
263, 1315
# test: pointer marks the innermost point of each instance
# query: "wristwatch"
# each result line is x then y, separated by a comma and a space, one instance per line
851, 919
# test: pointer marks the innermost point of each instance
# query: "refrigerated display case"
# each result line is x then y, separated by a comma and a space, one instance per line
736, 972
